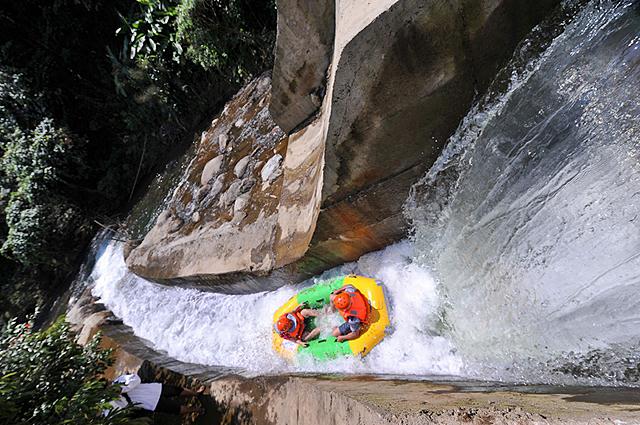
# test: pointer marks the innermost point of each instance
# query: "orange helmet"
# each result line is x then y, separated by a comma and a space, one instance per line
342, 301
284, 324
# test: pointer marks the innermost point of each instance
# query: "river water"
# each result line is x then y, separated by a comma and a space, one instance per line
524, 261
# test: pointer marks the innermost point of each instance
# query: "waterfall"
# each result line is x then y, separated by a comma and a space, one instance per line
537, 245
234, 331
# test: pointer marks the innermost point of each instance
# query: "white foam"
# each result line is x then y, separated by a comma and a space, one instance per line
235, 330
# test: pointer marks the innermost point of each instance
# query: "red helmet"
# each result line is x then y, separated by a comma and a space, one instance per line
342, 301
284, 324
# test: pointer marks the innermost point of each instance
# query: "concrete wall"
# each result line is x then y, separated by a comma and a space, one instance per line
403, 74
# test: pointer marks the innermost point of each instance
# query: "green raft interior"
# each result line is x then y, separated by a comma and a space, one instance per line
316, 297
327, 347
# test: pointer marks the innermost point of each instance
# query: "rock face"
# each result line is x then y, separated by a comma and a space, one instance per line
211, 169
303, 51
367, 94
234, 210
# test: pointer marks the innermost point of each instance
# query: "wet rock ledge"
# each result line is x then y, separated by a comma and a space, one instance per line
247, 203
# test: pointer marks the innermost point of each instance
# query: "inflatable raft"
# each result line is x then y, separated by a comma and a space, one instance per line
316, 297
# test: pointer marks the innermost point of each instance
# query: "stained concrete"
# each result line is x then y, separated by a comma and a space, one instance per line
403, 74
304, 44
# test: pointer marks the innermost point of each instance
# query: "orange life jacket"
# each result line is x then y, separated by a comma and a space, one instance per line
298, 321
359, 307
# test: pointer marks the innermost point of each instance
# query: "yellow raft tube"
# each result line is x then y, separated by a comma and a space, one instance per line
316, 297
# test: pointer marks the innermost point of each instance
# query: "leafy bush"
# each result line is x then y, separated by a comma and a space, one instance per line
21, 290
234, 37
152, 30
41, 169
46, 378
18, 107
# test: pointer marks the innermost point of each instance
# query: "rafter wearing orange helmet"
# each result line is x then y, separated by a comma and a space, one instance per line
294, 325
354, 308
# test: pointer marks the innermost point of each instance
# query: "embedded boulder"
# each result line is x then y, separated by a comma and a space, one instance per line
219, 221
211, 169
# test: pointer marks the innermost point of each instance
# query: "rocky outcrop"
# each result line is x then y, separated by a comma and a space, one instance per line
248, 201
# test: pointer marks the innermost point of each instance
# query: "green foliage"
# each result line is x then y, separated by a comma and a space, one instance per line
96, 95
40, 167
46, 378
37, 165
151, 32
234, 37
21, 289
45, 157
164, 92
18, 107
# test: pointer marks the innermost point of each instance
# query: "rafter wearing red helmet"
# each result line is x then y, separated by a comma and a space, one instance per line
296, 326
354, 308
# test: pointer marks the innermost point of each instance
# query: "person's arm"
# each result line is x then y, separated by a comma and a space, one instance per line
349, 336
295, 340
337, 291
300, 307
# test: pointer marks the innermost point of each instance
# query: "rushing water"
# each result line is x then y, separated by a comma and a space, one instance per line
525, 259
537, 249
235, 330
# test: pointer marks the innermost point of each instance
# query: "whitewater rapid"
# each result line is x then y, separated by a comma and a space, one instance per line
524, 261
536, 242
234, 331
